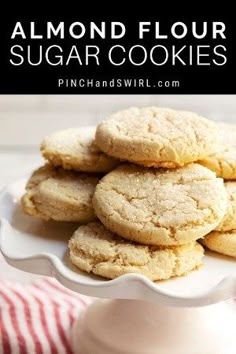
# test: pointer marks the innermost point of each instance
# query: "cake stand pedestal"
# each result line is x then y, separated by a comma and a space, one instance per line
186, 315
140, 327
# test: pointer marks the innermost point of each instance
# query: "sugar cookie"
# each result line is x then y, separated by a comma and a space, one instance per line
75, 149
222, 242
229, 220
157, 137
96, 250
158, 206
223, 162
60, 195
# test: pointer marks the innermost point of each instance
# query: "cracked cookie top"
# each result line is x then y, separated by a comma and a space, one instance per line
95, 249
223, 162
158, 206
157, 137
75, 149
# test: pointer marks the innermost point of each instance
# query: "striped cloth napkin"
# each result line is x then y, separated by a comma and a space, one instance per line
37, 318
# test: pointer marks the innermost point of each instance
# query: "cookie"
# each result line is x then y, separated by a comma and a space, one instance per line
157, 137
159, 206
222, 242
223, 162
60, 195
229, 220
96, 250
75, 149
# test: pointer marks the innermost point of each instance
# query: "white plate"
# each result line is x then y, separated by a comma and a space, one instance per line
41, 247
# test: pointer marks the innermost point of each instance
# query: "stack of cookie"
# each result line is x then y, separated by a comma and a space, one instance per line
223, 163
137, 188
62, 190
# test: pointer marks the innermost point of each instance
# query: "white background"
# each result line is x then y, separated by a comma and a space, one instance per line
24, 120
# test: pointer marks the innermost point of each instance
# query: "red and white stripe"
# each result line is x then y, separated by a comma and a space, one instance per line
37, 318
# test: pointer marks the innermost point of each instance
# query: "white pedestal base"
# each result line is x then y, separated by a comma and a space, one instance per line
138, 327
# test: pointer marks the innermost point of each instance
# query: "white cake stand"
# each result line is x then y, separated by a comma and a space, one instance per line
141, 317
